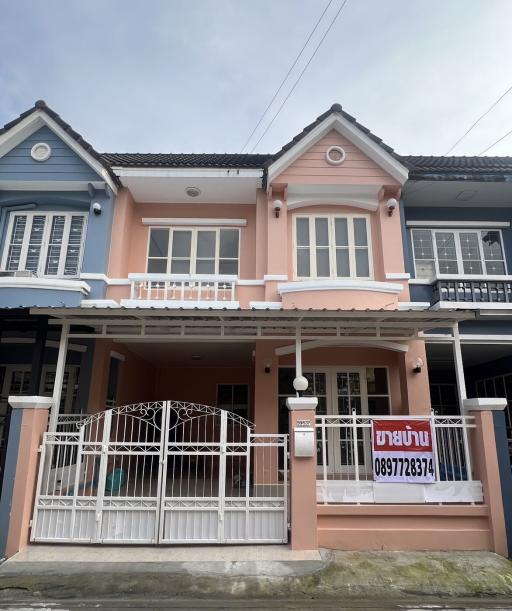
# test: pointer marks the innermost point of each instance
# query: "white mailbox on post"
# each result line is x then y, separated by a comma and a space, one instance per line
304, 442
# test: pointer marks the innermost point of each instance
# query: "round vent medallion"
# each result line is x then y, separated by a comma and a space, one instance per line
193, 191
41, 151
335, 155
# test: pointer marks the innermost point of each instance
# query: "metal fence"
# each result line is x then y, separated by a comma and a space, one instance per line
162, 472
344, 449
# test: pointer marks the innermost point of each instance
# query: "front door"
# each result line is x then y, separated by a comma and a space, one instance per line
341, 391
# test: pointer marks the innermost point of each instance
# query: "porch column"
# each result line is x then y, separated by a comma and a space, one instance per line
414, 380
484, 453
459, 367
28, 423
59, 377
266, 408
304, 534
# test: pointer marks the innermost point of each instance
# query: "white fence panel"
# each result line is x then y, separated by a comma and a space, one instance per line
345, 473
163, 472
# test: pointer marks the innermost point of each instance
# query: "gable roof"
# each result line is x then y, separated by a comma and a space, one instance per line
41, 106
337, 119
185, 160
335, 109
421, 167
430, 167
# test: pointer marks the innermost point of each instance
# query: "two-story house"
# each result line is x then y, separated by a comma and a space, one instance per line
458, 248
204, 295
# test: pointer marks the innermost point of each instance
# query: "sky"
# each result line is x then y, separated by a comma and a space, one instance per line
195, 75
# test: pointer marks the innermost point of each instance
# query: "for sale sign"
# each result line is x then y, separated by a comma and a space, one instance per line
402, 451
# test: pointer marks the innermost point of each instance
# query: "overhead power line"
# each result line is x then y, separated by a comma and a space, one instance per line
333, 21
287, 75
495, 143
493, 105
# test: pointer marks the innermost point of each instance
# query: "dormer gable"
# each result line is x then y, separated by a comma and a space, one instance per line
40, 148
332, 131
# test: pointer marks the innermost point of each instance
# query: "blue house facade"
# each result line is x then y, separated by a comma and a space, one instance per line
56, 209
456, 222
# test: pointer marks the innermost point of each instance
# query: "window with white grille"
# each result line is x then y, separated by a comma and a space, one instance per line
45, 243
458, 251
329, 246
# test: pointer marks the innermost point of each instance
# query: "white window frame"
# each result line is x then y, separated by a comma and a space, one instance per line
332, 246
232, 384
193, 248
458, 252
49, 214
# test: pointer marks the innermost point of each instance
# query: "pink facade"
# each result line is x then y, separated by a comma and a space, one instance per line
243, 281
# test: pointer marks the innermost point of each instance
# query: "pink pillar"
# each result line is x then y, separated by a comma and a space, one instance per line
266, 417
304, 533
415, 386
485, 463
34, 423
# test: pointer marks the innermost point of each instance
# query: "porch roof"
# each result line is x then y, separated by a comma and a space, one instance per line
158, 324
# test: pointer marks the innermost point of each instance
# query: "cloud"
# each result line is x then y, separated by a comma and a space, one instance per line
169, 75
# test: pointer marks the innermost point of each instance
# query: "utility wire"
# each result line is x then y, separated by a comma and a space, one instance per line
301, 74
495, 143
287, 75
479, 119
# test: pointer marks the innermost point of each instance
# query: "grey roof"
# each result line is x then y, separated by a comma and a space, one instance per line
185, 160
457, 168
421, 167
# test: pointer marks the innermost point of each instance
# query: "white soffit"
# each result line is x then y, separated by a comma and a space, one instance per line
168, 185
347, 129
365, 197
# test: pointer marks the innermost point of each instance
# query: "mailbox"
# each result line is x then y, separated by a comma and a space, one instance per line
304, 442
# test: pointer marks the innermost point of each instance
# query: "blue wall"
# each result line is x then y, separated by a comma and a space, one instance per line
452, 213
63, 164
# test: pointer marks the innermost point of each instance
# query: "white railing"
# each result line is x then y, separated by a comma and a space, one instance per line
69, 423
344, 461
182, 287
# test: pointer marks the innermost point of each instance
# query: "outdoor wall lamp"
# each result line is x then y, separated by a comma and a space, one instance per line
278, 204
418, 365
96, 208
267, 368
391, 204
300, 384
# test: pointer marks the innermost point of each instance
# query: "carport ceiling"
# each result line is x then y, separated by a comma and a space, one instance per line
185, 354
440, 356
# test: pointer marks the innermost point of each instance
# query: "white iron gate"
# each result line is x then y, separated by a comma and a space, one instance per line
164, 472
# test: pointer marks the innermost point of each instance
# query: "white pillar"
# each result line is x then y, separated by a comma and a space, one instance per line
59, 377
298, 354
459, 367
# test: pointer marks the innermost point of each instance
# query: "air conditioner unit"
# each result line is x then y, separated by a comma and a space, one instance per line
19, 273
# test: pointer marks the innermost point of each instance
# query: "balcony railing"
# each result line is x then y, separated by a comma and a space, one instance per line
478, 291
182, 287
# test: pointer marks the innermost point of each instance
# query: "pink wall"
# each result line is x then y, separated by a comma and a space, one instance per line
136, 377
312, 167
199, 384
135, 244
356, 357
404, 527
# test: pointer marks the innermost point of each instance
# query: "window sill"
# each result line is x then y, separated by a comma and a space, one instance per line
339, 285
57, 284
